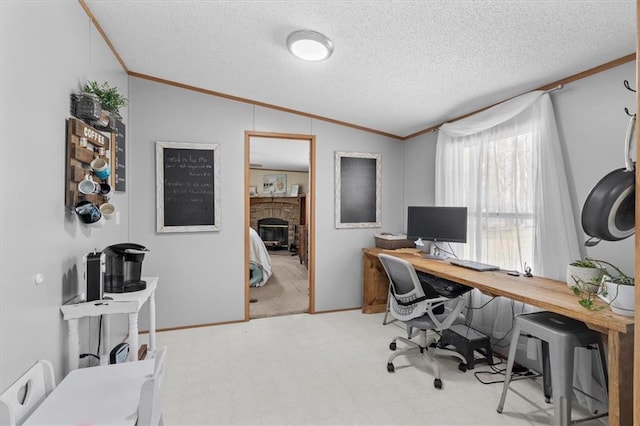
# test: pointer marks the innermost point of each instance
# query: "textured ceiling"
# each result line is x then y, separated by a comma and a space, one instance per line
398, 67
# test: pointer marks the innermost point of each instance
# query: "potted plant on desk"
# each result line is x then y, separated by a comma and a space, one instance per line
592, 278
618, 290
585, 274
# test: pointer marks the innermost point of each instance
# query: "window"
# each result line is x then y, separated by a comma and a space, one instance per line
505, 165
503, 218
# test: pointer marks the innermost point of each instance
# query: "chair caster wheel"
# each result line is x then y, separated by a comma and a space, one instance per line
462, 367
437, 383
390, 367
392, 346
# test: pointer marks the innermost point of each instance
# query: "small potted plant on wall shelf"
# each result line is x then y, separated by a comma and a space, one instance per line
111, 101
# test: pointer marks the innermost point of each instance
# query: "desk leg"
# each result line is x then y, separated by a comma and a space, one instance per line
152, 323
133, 336
375, 285
74, 345
620, 378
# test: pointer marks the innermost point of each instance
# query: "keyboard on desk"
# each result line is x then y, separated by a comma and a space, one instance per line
442, 286
477, 266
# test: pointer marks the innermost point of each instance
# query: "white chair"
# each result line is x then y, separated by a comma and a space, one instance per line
150, 408
430, 314
26, 394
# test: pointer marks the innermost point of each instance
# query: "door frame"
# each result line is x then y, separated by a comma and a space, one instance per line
311, 204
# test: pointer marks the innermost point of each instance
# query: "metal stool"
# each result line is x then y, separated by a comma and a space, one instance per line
559, 336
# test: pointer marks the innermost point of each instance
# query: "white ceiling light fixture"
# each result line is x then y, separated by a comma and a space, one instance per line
309, 45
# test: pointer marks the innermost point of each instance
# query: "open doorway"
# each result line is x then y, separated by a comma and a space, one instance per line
279, 224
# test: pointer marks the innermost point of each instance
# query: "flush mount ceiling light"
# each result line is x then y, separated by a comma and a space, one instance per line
309, 45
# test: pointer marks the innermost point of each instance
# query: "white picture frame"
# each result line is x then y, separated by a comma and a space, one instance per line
275, 184
357, 189
187, 187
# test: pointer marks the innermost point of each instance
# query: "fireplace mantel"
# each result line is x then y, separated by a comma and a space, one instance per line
285, 200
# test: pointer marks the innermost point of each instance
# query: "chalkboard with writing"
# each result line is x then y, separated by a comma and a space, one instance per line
357, 196
188, 187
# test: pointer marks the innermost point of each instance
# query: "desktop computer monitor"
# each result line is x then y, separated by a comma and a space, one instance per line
435, 223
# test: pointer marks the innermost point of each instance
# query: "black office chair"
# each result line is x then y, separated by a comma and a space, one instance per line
428, 313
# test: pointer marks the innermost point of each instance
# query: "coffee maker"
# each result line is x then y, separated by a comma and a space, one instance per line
123, 268
116, 269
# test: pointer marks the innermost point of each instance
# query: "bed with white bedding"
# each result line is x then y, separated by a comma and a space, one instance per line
259, 260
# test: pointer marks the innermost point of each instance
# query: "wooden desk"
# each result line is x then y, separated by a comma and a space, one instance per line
104, 395
551, 295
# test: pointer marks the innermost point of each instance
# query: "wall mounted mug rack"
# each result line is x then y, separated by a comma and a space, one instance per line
86, 144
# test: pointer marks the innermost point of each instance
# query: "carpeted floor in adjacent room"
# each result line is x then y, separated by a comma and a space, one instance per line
286, 292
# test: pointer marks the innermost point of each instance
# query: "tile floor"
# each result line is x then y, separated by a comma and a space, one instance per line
326, 369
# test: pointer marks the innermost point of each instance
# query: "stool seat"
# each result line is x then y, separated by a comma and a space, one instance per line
559, 336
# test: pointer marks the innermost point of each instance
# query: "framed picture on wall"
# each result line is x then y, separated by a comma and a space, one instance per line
357, 186
274, 184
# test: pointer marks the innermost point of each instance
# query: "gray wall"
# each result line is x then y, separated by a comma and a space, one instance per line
419, 177
338, 252
49, 50
592, 126
202, 274
591, 123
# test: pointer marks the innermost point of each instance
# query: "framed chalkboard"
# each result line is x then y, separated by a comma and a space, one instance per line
357, 196
187, 187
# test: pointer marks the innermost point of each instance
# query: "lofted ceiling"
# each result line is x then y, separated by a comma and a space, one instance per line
398, 67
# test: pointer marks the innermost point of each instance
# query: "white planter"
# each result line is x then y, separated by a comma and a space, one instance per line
620, 297
583, 277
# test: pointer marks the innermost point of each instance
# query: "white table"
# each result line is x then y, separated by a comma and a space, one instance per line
112, 303
104, 395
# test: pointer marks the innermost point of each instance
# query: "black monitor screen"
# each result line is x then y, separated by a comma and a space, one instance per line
430, 223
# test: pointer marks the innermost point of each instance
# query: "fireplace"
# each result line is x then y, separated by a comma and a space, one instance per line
274, 233
290, 211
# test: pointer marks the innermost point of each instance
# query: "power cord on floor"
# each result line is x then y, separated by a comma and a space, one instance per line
517, 373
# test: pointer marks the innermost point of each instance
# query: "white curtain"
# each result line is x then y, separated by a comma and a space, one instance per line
505, 164
513, 177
